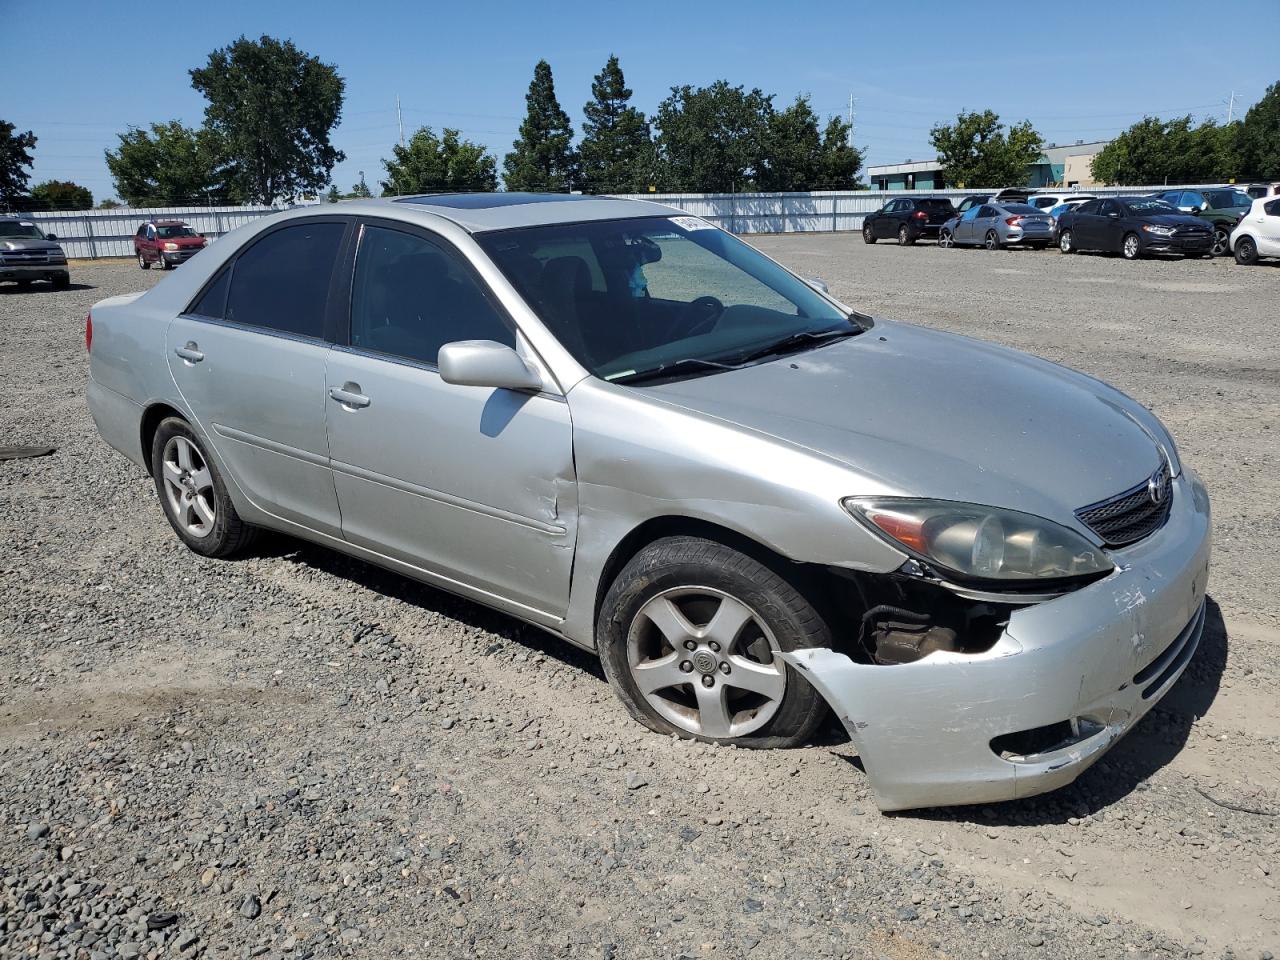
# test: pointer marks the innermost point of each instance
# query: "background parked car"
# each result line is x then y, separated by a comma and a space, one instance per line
166, 243
1258, 234
971, 201
908, 219
1257, 190
994, 225
1223, 208
27, 254
1056, 212
1133, 227
1046, 201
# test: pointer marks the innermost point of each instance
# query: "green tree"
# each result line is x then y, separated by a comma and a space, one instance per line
841, 162
431, 164
170, 164
110, 203
15, 157
61, 195
273, 107
793, 157
1259, 139
543, 157
1155, 151
979, 151
712, 139
616, 142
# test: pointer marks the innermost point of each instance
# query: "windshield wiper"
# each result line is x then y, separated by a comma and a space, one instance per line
804, 338
674, 368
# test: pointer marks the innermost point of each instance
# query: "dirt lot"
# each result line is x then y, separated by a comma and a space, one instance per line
299, 755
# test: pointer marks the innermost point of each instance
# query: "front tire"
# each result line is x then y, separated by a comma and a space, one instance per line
1221, 242
1246, 251
945, 240
689, 635
868, 235
193, 494
1131, 246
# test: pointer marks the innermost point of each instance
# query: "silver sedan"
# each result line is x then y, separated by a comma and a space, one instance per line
620, 424
994, 226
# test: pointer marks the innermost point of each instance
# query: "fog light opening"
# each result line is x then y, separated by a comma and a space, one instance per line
1028, 745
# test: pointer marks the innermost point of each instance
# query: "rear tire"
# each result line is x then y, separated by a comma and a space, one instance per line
992, 240
904, 236
143, 263
868, 235
193, 494
685, 607
1246, 251
1065, 242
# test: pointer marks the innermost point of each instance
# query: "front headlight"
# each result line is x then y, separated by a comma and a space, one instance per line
985, 543
1158, 230
171, 246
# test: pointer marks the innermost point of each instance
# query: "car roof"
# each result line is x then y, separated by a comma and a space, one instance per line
481, 212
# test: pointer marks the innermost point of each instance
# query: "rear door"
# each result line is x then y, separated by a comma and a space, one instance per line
1084, 225
1269, 229
474, 485
984, 221
249, 359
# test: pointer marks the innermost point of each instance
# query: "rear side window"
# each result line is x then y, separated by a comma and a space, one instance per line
1272, 208
412, 296
1093, 206
282, 281
213, 302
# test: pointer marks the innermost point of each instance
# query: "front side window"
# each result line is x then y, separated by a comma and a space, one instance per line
675, 294
411, 296
281, 282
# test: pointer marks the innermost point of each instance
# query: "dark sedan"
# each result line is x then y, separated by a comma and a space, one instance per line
1133, 227
907, 219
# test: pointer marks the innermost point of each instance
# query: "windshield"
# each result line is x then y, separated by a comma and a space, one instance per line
168, 233
1144, 206
20, 229
1223, 199
630, 298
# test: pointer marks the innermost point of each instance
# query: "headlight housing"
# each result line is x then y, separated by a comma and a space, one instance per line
171, 246
976, 542
1158, 229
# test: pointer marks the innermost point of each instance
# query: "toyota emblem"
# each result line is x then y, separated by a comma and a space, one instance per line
1155, 487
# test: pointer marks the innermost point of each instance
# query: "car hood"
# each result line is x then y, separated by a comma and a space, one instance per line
921, 413
1174, 220
24, 243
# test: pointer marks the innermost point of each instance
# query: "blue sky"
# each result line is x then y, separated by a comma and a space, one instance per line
1084, 74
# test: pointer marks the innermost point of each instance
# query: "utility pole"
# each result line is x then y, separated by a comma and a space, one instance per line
399, 120
1231, 107
850, 118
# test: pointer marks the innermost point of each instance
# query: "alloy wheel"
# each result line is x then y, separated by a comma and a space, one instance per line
1064, 241
706, 662
142, 261
944, 239
993, 241
1132, 247
902, 236
188, 486
1221, 242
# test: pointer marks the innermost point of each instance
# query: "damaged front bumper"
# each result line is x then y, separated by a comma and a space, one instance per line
1064, 682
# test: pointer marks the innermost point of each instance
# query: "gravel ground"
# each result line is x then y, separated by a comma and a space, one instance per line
299, 755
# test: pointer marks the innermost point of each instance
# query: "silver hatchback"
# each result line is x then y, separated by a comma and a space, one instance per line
993, 226
631, 429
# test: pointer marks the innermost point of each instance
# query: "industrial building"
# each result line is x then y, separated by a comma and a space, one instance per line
1070, 165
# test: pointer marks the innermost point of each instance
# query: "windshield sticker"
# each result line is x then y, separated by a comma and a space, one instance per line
26, 223
692, 223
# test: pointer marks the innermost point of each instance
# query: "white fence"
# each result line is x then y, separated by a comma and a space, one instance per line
109, 233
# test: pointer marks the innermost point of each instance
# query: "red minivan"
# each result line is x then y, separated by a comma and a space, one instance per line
166, 243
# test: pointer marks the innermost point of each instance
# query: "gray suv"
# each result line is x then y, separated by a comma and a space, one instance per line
27, 254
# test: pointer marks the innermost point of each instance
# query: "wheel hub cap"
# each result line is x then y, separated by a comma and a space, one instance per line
704, 661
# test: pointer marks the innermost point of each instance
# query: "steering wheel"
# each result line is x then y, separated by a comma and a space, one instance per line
705, 312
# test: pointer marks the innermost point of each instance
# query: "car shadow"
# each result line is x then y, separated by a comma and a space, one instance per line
39, 286
425, 597
1149, 746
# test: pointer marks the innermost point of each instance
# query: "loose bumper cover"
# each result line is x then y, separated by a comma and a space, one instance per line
1091, 662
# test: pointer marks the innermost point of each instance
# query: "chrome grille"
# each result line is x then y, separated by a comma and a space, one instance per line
1132, 515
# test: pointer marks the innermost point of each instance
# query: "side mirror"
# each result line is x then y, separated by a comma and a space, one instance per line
818, 284
51, 236
484, 363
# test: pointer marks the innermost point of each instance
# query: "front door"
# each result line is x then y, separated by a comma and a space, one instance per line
249, 359
475, 486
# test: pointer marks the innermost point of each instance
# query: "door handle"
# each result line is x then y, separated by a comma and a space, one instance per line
349, 395
190, 353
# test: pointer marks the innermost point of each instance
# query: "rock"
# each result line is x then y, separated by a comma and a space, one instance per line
459, 920
635, 780
752, 906
908, 913
160, 920
250, 907
37, 831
